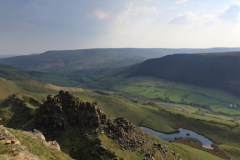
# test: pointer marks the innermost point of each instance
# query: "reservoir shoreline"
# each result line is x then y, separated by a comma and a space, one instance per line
193, 142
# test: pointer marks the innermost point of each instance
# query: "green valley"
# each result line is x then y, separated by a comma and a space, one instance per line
153, 102
216, 127
153, 89
119, 80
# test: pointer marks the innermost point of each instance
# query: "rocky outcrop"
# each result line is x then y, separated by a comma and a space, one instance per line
123, 132
21, 152
64, 112
60, 111
38, 135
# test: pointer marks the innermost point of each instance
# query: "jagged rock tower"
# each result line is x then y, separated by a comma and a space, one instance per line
60, 111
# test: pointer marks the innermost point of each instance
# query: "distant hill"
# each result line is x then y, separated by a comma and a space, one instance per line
88, 60
77, 60
7, 56
209, 70
9, 72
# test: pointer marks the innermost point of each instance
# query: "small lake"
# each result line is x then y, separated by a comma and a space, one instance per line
184, 133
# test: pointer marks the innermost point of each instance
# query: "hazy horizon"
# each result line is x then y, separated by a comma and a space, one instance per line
28, 27
198, 50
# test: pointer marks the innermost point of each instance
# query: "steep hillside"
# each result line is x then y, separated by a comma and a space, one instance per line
18, 110
30, 84
208, 70
7, 88
20, 145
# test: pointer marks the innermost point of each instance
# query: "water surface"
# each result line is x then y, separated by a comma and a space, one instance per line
182, 133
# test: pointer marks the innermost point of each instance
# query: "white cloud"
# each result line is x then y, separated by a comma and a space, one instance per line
139, 10
230, 13
133, 10
185, 18
181, 1
100, 14
208, 19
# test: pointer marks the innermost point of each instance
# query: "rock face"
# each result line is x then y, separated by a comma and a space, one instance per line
21, 151
123, 132
60, 111
38, 135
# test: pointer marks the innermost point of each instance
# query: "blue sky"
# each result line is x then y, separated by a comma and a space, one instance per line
35, 26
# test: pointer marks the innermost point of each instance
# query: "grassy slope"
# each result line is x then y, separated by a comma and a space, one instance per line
109, 104
197, 154
10, 72
153, 88
86, 95
186, 152
163, 121
233, 152
149, 88
33, 83
7, 71
17, 110
8, 88
37, 147
148, 115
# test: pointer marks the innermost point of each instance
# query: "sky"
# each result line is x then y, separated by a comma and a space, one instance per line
36, 26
